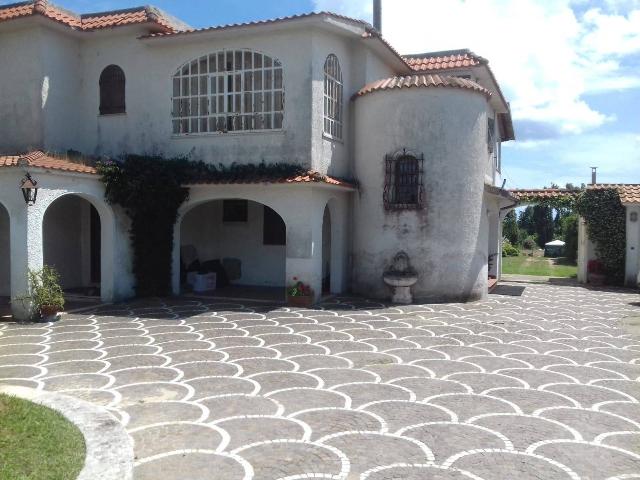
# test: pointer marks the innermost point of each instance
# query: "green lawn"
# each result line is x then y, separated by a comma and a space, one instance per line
37, 443
542, 266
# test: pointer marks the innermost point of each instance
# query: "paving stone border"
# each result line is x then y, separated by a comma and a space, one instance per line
109, 449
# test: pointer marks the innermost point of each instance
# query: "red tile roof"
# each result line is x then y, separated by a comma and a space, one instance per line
444, 60
629, 192
40, 159
310, 176
90, 21
370, 32
541, 193
422, 81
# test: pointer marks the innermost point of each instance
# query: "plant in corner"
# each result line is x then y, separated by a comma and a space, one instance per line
46, 298
299, 294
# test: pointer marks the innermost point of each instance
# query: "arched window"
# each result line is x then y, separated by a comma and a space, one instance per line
112, 90
231, 90
403, 189
332, 97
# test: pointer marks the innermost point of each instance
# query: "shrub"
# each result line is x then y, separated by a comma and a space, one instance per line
569, 226
529, 243
45, 290
508, 250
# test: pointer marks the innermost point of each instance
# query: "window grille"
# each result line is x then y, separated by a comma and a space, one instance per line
112, 90
230, 90
403, 188
333, 97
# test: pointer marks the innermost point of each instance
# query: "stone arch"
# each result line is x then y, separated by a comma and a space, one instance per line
106, 220
247, 240
334, 213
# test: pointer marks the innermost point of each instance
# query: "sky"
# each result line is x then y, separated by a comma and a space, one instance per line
570, 69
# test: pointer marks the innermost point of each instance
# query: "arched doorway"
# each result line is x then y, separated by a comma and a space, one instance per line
72, 243
241, 242
5, 263
326, 251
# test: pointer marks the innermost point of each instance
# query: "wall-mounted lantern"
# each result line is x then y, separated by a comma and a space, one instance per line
633, 216
29, 189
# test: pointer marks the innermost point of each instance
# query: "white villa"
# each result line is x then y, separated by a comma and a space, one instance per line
402, 151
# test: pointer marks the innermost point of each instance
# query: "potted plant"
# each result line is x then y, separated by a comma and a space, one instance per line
596, 271
299, 294
46, 298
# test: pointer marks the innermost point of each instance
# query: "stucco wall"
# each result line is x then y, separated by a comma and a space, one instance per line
447, 241
5, 256
26, 230
633, 247
21, 90
149, 67
330, 155
61, 84
262, 265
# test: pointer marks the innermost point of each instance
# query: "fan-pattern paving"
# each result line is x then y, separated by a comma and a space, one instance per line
544, 385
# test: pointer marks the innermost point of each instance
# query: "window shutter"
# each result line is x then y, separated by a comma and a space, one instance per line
112, 90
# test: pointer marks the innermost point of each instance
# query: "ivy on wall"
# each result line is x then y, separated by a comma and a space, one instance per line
606, 227
605, 217
151, 189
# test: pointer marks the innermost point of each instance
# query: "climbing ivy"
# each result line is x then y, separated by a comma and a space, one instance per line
606, 227
151, 189
566, 201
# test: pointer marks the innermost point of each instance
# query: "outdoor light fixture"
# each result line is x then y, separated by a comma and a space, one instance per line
29, 189
633, 216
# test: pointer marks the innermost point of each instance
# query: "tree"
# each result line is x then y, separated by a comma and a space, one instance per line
526, 222
510, 228
570, 236
543, 224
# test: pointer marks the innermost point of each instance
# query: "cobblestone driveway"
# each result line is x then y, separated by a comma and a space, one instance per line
540, 386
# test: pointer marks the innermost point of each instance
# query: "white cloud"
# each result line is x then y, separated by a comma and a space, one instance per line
546, 54
567, 160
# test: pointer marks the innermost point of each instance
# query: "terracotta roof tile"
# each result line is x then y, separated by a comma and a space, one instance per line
629, 192
310, 176
443, 60
257, 22
422, 81
38, 159
91, 21
541, 193
370, 32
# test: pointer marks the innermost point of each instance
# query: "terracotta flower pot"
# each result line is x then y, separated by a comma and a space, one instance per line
47, 311
303, 301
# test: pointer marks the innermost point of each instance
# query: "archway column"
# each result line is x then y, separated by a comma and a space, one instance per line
26, 254
304, 244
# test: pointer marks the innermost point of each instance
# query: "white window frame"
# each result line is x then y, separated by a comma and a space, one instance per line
333, 98
234, 90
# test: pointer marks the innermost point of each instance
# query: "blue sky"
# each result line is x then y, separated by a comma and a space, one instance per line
571, 68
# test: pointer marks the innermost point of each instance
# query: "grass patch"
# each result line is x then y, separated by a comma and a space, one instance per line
542, 266
37, 443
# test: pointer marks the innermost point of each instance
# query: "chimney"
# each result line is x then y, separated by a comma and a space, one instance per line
377, 15
593, 175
